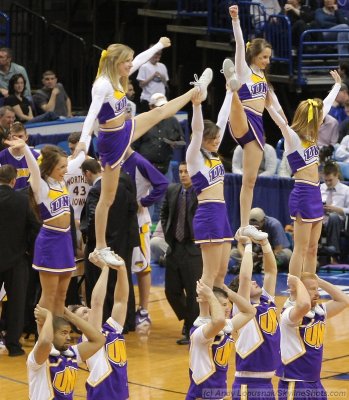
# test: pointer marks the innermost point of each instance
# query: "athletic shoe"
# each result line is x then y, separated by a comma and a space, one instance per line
143, 323
251, 232
201, 321
228, 69
109, 257
202, 82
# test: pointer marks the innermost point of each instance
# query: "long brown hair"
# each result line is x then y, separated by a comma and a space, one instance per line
211, 130
48, 159
255, 47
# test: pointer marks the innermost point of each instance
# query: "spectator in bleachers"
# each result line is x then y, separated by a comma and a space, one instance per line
7, 118
335, 197
276, 235
329, 17
343, 70
8, 69
152, 78
284, 170
268, 163
16, 158
337, 110
21, 104
131, 106
343, 128
342, 151
52, 97
270, 6
328, 132
301, 16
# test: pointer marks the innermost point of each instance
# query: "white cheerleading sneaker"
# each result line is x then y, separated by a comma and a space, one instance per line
202, 82
252, 232
109, 257
228, 69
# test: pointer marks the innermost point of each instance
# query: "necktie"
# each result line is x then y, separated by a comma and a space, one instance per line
329, 198
182, 205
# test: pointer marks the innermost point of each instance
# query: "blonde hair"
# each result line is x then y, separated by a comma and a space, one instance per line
109, 62
307, 119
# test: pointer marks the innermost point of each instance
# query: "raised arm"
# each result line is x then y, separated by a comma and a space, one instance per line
246, 309
217, 322
193, 151
224, 113
328, 101
339, 299
302, 300
147, 54
95, 340
99, 90
242, 69
43, 346
35, 176
270, 267
246, 269
95, 317
120, 296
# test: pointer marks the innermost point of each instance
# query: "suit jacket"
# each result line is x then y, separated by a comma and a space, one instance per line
168, 217
17, 224
122, 227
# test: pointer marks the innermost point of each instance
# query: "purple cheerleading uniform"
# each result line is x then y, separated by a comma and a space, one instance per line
108, 367
208, 365
113, 143
255, 87
20, 164
302, 352
258, 352
211, 223
109, 104
54, 379
53, 251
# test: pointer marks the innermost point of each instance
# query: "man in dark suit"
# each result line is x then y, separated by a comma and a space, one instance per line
122, 233
17, 224
183, 257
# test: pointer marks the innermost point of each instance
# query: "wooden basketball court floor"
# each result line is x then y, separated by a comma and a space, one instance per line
158, 368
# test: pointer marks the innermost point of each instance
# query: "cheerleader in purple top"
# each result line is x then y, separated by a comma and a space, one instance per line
258, 345
303, 324
115, 134
108, 367
245, 122
302, 152
211, 224
53, 252
52, 365
212, 342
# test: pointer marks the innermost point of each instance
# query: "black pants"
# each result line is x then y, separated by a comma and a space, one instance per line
182, 272
16, 282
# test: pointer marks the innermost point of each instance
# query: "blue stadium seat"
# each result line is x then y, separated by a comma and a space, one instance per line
280, 148
64, 145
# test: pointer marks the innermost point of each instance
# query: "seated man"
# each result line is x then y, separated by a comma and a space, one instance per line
268, 163
277, 239
8, 69
52, 97
335, 197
